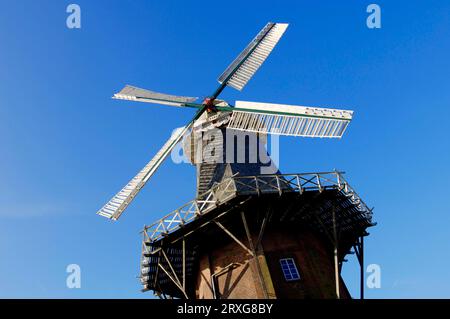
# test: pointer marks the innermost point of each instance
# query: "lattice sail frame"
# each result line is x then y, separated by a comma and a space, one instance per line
289, 120
115, 207
242, 69
133, 93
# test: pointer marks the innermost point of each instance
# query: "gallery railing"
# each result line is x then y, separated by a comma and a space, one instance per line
251, 185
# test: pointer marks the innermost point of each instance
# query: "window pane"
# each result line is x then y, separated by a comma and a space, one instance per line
289, 269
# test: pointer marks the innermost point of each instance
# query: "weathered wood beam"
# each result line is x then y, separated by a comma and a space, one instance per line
233, 237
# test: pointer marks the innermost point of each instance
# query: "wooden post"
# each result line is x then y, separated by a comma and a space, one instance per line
255, 256
361, 264
184, 264
336, 261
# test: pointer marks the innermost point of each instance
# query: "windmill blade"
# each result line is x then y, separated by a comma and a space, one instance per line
115, 207
241, 70
141, 95
289, 119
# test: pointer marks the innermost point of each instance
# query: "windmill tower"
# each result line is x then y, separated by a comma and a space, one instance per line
248, 233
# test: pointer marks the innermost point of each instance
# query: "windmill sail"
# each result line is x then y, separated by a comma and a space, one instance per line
115, 207
241, 70
141, 95
289, 119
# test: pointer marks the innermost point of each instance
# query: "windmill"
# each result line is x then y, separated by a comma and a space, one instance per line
174, 265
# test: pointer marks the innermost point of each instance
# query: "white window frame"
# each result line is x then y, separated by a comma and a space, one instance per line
294, 276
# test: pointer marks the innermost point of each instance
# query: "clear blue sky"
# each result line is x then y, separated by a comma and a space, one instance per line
66, 147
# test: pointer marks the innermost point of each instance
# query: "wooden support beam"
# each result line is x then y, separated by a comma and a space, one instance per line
361, 264
247, 232
233, 237
157, 270
255, 256
170, 265
184, 264
359, 250
336, 262
175, 278
263, 228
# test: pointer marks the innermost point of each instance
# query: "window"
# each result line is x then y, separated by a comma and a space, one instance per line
289, 269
